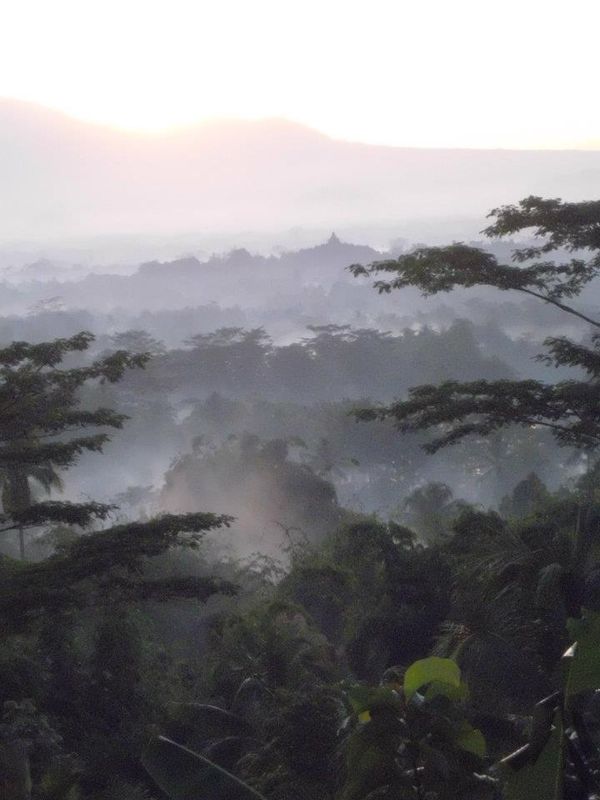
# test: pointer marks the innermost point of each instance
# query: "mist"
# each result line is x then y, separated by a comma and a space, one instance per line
64, 179
212, 249
282, 424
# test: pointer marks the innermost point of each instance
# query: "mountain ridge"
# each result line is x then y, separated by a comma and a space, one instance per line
66, 177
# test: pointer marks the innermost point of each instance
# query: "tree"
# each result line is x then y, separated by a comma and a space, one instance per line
560, 748
44, 430
230, 358
430, 509
454, 409
266, 490
529, 495
17, 494
137, 341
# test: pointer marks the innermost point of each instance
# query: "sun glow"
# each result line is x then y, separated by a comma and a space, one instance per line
432, 73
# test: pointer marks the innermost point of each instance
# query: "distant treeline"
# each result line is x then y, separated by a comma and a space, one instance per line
331, 363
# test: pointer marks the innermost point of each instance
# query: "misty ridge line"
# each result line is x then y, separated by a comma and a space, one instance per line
285, 294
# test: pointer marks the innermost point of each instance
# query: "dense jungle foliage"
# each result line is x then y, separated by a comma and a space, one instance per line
246, 629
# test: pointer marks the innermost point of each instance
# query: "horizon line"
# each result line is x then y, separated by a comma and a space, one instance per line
179, 129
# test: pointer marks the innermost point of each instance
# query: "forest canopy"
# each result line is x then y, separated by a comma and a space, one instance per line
303, 606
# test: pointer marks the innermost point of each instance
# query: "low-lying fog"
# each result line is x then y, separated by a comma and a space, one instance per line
213, 250
257, 363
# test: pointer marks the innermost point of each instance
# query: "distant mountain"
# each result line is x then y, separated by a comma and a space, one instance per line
62, 177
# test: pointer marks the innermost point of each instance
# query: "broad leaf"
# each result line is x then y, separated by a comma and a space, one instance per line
369, 698
471, 740
542, 777
454, 693
584, 657
427, 670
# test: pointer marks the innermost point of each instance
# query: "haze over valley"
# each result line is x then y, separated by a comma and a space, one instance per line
299, 400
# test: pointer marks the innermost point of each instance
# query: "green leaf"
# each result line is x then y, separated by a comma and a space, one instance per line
427, 670
368, 698
584, 657
471, 739
185, 775
455, 693
540, 778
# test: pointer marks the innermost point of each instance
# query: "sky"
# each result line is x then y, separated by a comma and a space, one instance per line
427, 73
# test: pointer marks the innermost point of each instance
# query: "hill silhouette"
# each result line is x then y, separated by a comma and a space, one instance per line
233, 277
63, 177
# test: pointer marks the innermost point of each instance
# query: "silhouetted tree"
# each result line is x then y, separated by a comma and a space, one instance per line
455, 410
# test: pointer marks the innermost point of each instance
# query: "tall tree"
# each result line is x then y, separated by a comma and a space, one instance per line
569, 408
44, 430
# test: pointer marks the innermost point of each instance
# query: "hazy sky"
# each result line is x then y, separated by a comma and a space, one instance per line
516, 73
